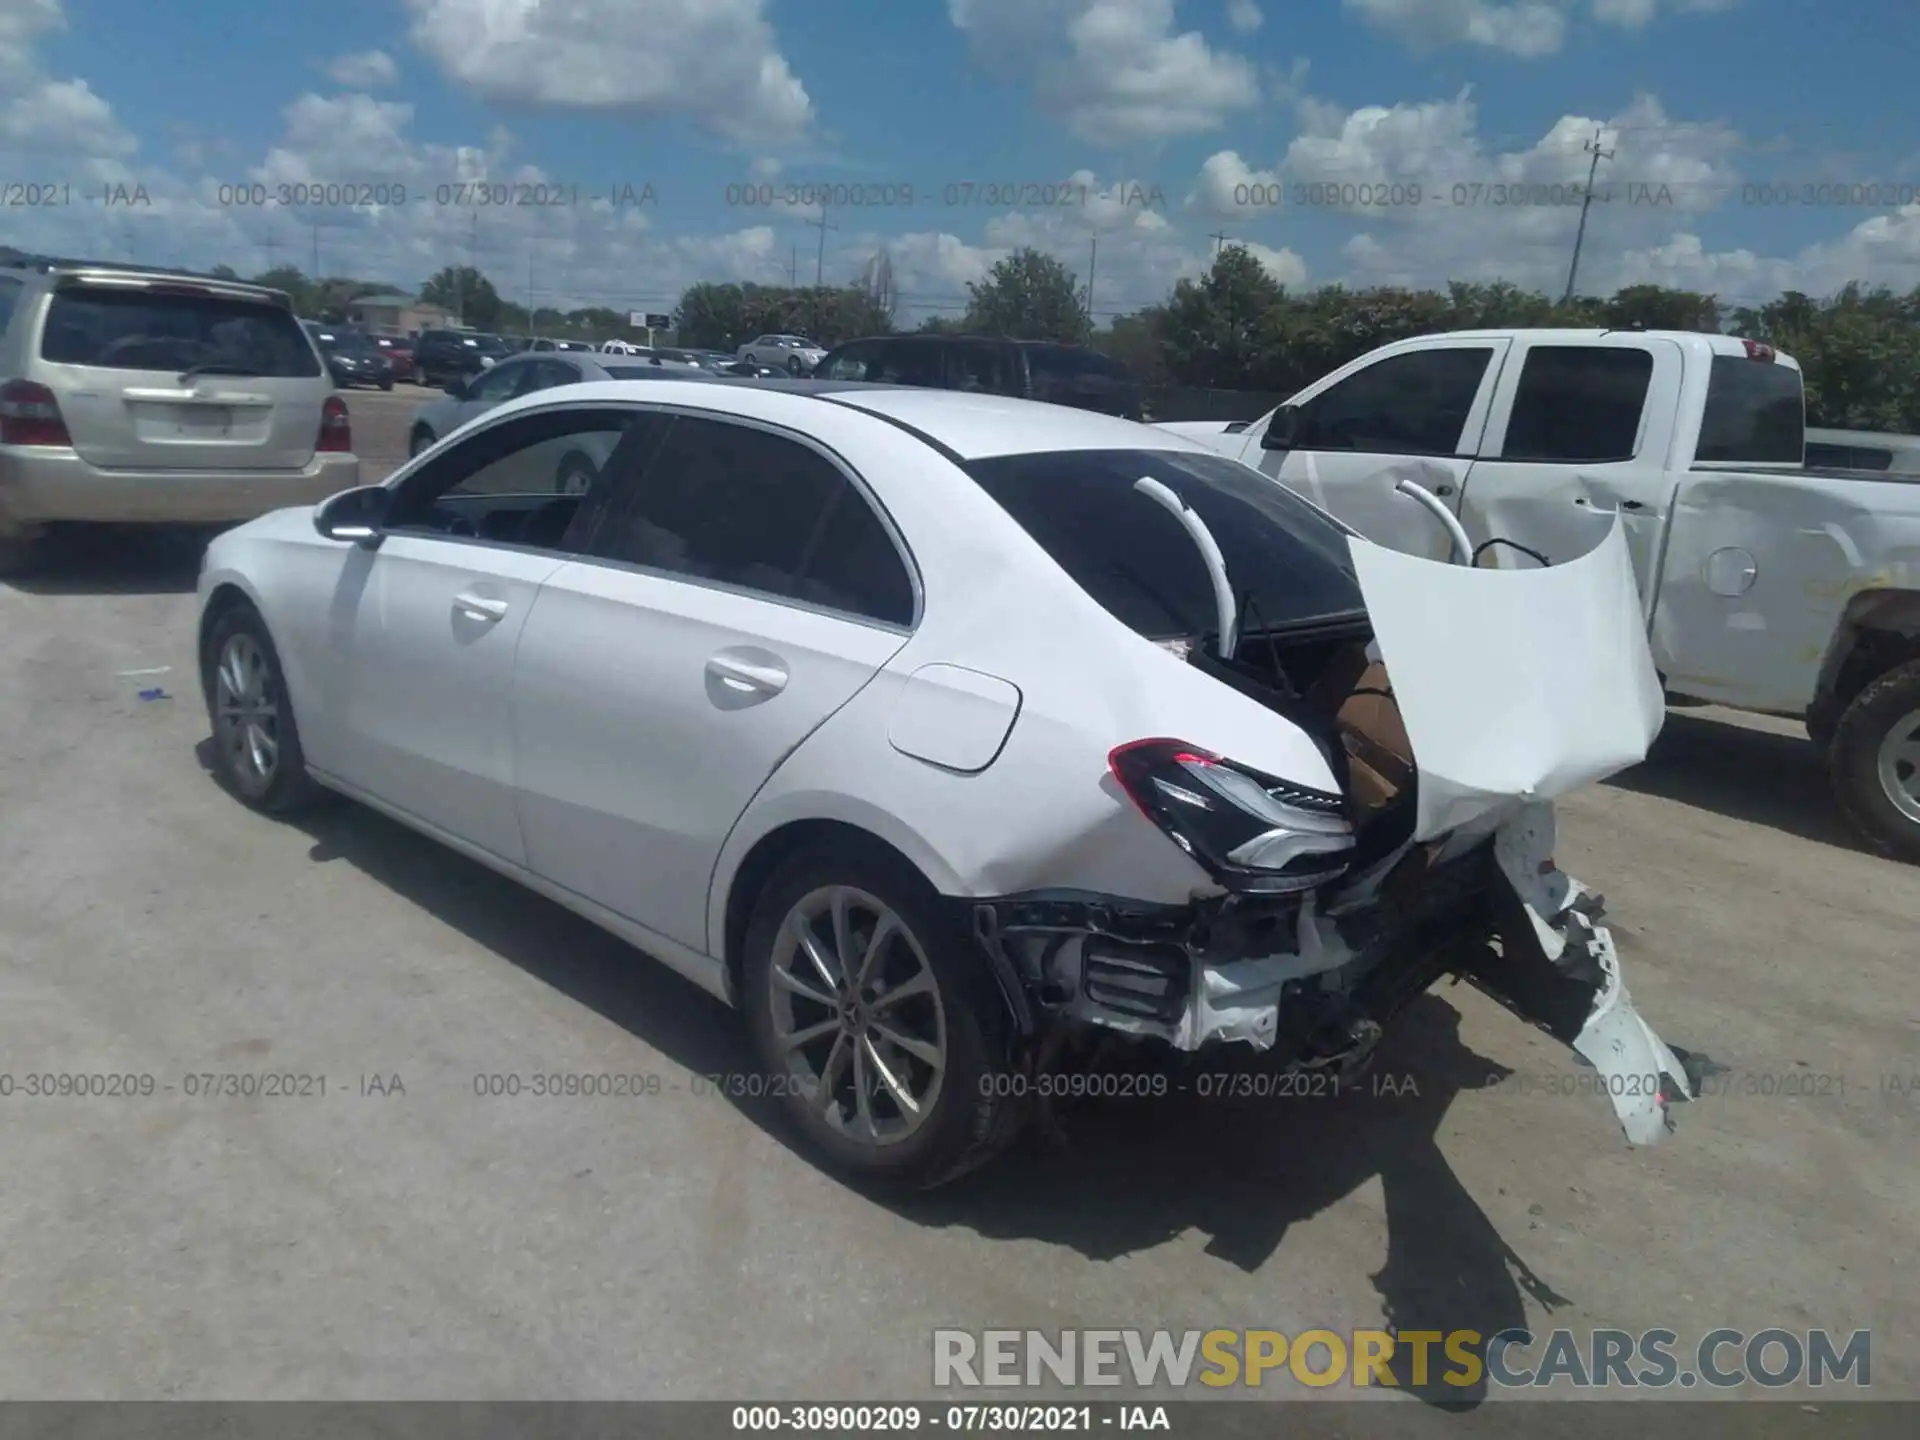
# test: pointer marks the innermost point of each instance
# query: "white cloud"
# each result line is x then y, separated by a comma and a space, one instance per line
45, 120
1244, 16
363, 71
1529, 28
715, 60
1439, 203
1115, 69
1524, 28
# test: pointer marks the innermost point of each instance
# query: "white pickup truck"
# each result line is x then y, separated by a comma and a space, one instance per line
1768, 586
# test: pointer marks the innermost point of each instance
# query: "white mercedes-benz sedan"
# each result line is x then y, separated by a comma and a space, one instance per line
945, 735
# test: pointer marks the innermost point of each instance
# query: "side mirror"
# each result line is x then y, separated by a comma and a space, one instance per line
354, 515
456, 387
1284, 429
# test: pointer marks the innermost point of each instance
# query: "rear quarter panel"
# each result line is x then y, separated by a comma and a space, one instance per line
1815, 543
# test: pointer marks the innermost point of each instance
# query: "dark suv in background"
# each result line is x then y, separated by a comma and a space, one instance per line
1028, 369
443, 355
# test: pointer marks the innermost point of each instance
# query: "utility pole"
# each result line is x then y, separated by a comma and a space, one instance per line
530, 324
793, 269
1093, 258
820, 260
1218, 239
272, 247
1586, 201
316, 252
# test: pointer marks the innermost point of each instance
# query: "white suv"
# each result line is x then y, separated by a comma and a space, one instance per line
134, 395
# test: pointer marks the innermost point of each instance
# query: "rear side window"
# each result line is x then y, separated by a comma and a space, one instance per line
1848, 457
739, 506
1756, 414
977, 367
1131, 555
144, 330
1415, 403
9, 299
1578, 404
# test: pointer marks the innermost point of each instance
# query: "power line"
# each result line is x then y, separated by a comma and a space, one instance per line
1586, 203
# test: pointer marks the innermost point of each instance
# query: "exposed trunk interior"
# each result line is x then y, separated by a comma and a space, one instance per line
1322, 680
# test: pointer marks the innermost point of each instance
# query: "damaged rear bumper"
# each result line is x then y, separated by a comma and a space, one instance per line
1316, 981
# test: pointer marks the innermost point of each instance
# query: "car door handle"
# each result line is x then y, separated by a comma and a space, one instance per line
479, 607
747, 677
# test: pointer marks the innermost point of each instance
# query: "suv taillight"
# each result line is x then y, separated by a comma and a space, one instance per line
1758, 351
336, 431
1249, 831
30, 415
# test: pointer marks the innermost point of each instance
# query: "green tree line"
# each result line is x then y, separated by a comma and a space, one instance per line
1236, 327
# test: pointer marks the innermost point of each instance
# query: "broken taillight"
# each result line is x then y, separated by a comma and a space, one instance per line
1249, 831
1757, 351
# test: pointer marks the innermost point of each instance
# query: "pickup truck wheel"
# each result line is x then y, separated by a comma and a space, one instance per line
1875, 759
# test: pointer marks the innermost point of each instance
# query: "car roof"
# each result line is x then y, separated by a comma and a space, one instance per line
965, 425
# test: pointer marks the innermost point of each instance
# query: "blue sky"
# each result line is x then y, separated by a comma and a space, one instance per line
1172, 114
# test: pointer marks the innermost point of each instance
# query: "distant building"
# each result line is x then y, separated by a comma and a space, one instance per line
396, 315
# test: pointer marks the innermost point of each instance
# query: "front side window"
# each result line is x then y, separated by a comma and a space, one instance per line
734, 505
911, 362
1578, 404
497, 384
1414, 403
978, 367
542, 480
116, 329
1289, 560
851, 362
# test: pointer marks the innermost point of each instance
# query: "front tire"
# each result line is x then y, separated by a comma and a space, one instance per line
878, 1029
795, 365
256, 743
1875, 760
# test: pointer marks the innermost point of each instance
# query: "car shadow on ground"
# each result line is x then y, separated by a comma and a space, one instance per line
116, 560
1765, 778
1116, 1175
1129, 1174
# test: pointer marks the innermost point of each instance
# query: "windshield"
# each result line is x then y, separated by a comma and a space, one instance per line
1287, 560
1755, 414
147, 330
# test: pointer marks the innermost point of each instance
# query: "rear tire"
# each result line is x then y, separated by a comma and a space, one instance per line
256, 742
386, 385
1875, 761
927, 987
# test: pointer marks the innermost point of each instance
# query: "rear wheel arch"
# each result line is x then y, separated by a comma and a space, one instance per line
780, 844
1878, 632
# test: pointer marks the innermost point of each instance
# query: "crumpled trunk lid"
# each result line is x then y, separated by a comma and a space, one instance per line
1514, 686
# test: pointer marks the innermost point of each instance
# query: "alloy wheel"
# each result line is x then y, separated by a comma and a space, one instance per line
1899, 765
247, 711
857, 1013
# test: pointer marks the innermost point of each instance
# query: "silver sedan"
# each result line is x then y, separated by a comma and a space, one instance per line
465, 399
